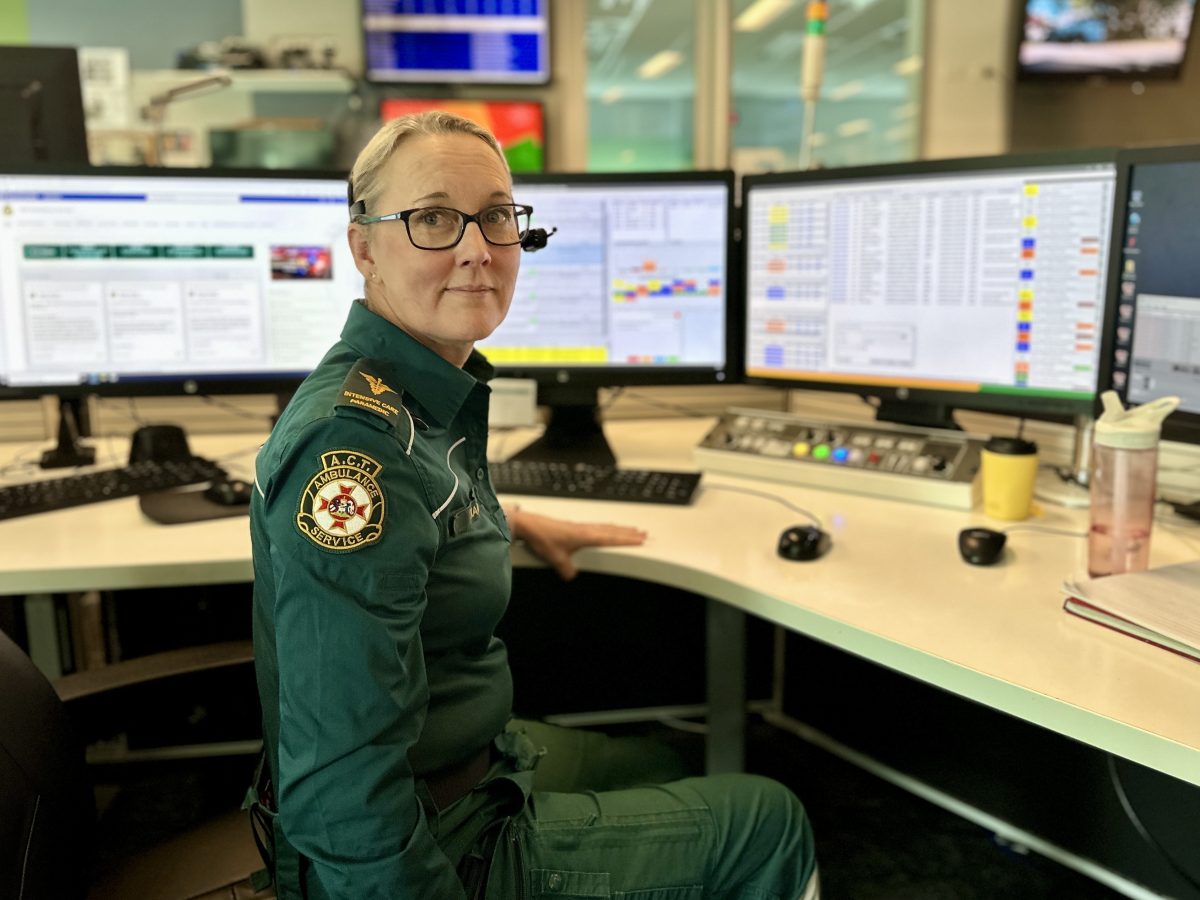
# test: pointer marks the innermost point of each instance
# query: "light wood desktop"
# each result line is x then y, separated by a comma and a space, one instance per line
893, 589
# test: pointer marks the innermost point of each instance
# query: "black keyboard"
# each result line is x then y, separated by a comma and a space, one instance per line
593, 482
106, 484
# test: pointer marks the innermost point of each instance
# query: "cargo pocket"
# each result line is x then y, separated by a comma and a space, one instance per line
561, 883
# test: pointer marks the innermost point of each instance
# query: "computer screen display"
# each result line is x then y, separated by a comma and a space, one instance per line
457, 41
150, 281
973, 283
519, 125
634, 286
1100, 37
1156, 347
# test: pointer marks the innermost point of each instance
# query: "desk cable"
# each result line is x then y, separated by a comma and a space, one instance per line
1140, 827
813, 518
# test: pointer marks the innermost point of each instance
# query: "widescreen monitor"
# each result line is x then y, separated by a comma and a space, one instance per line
519, 125
41, 106
1156, 349
976, 283
634, 288
1102, 37
457, 41
149, 281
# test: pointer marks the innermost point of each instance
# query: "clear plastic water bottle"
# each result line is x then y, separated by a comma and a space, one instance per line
1124, 482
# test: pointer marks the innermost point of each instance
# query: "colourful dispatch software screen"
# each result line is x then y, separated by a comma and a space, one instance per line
517, 124
989, 281
636, 276
136, 278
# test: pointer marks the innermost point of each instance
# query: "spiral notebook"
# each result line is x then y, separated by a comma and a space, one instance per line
1160, 606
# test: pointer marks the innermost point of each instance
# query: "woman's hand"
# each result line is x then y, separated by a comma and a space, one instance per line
554, 540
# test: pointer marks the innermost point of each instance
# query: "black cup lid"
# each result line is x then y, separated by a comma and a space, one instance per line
1010, 445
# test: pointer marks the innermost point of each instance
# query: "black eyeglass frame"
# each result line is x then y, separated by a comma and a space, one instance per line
361, 218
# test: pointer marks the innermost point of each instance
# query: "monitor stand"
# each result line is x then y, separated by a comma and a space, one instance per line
72, 425
573, 433
1074, 491
916, 415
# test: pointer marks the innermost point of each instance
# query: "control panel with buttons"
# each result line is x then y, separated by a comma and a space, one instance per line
938, 467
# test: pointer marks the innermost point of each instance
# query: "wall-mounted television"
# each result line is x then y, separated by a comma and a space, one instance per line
457, 41
519, 125
1136, 38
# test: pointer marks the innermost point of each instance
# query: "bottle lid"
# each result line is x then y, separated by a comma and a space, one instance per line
1136, 428
1011, 446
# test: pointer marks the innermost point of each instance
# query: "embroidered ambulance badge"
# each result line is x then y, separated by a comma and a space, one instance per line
341, 508
377, 385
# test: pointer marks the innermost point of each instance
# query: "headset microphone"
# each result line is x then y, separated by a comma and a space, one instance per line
535, 239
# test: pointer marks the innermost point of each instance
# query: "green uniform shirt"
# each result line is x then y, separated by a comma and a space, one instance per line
381, 568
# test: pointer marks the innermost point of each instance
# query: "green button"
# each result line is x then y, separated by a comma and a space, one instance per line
821, 451
184, 251
43, 251
88, 251
137, 251
232, 251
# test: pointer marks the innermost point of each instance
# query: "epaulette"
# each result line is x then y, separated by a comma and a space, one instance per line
366, 387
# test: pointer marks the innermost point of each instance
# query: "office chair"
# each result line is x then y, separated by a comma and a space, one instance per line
47, 812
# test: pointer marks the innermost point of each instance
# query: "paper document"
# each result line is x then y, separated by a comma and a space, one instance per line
1161, 605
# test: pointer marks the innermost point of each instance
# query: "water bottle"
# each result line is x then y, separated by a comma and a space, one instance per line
1123, 484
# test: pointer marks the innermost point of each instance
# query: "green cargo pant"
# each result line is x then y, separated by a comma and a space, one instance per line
559, 815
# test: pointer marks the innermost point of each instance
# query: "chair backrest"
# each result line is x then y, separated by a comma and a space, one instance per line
46, 805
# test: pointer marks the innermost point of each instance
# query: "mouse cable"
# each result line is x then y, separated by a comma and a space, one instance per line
753, 493
677, 408
1074, 534
1139, 826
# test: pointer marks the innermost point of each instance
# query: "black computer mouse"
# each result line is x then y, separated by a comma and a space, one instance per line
231, 492
802, 543
981, 546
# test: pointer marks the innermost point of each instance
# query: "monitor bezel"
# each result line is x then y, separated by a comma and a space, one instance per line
1008, 404
274, 383
591, 377
1180, 425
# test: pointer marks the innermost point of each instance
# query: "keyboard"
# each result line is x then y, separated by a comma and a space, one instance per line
593, 482
105, 484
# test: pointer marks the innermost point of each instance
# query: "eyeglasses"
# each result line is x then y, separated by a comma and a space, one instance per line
440, 227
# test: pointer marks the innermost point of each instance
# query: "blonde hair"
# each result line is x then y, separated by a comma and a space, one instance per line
365, 184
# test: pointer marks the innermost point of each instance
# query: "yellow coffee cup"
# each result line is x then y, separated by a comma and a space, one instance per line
1009, 473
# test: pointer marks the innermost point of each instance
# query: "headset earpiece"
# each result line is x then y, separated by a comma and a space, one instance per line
535, 239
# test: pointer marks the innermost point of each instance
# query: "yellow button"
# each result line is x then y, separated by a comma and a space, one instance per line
800, 448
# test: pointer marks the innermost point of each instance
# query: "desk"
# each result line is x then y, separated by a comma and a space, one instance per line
892, 590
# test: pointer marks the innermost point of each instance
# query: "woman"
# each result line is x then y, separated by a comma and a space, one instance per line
381, 560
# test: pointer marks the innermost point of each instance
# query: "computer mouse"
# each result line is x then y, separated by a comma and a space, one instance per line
802, 543
231, 492
981, 546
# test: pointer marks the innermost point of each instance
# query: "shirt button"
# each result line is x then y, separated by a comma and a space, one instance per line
480, 473
554, 882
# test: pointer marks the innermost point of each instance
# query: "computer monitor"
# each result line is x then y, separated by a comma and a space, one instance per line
519, 125
457, 41
634, 288
41, 106
124, 281
1156, 288
975, 283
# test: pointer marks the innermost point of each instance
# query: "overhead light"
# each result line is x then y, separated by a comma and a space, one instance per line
898, 133
760, 14
818, 139
904, 111
908, 65
660, 64
612, 95
853, 127
847, 90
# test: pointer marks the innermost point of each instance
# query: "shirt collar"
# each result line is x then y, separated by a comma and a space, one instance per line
439, 386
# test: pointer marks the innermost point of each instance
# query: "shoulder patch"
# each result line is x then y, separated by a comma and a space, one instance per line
367, 387
341, 508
